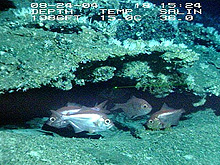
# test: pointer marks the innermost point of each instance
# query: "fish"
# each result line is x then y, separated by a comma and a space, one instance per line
98, 107
55, 121
85, 120
134, 107
164, 118
70, 109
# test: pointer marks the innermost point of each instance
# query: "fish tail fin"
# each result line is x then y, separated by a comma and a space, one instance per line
117, 106
183, 110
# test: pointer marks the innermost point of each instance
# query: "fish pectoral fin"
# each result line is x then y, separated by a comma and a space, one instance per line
155, 129
91, 131
77, 129
97, 123
169, 128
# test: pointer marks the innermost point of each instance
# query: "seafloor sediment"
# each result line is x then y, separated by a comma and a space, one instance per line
193, 141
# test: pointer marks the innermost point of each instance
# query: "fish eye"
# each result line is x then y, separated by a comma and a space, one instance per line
145, 105
52, 119
107, 121
150, 121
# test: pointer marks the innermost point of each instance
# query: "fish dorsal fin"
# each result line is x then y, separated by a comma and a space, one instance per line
73, 105
165, 107
133, 97
68, 108
101, 105
85, 108
57, 114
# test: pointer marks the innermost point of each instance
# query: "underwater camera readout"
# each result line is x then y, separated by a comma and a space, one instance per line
121, 82
64, 11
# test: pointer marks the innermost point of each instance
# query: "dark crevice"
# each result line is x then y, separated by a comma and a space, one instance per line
6, 4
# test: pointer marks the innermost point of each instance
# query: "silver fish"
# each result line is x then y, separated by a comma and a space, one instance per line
134, 107
164, 118
70, 109
84, 120
98, 107
56, 121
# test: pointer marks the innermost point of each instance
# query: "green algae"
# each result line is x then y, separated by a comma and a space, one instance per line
103, 73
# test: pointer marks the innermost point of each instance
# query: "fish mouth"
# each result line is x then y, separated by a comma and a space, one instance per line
111, 126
